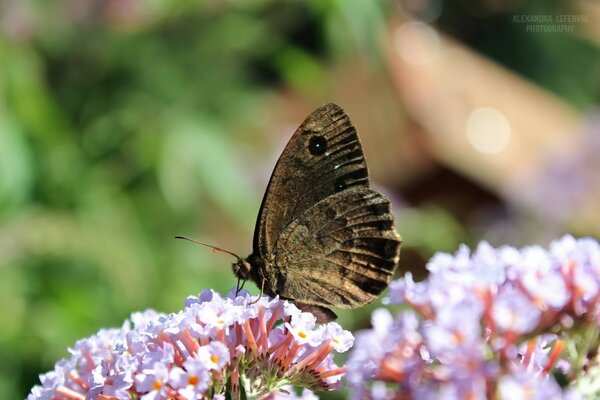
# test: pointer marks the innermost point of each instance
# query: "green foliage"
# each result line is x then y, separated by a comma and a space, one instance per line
120, 128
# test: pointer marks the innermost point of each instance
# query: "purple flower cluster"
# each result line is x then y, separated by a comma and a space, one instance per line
212, 348
563, 182
499, 323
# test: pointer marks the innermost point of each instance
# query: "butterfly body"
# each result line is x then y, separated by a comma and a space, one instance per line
323, 238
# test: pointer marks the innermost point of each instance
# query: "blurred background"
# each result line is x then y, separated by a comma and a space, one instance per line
126, 122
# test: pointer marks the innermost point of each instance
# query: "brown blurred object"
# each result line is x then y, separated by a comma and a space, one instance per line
451, 92
448, 81
590, 8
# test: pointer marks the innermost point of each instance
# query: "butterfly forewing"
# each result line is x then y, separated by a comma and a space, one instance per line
323, 157
323, 238
341, 252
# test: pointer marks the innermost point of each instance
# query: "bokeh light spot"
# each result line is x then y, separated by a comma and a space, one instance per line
488, 130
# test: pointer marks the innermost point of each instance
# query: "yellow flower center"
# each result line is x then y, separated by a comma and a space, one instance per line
302, 334
193, 380
214, 358
157, 385
458, 337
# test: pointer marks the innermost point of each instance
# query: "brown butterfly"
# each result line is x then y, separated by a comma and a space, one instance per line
323, 238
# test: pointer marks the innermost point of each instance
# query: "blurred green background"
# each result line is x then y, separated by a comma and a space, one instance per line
126, 122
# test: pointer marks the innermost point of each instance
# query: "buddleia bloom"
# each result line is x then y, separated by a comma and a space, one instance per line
214, 347
498, 323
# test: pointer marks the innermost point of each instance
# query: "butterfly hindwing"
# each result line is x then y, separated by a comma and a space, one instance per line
323, 157
341, 252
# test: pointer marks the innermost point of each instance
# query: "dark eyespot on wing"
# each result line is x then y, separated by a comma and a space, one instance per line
338, 153
317, 145
330, 213
353, 178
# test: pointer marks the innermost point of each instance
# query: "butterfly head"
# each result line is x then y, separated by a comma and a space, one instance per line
242, 269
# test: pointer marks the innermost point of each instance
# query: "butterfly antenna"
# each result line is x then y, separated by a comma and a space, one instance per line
215, 248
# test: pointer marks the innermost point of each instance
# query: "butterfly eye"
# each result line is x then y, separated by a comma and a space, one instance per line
317, 145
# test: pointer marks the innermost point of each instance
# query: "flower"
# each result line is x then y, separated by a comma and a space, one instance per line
497, 323
213, 347
563, 182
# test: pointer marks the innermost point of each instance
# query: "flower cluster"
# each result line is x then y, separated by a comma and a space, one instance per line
565, 181
496, 324
212, 348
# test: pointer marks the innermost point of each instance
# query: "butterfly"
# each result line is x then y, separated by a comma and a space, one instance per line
323, 238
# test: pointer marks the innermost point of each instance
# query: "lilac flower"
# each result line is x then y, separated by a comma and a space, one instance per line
213, 346
448, 337
153, 381
564, 183
111, 380
498, 323
527, 385
303, 331
341, 340
514, 312
192, 380
214, 356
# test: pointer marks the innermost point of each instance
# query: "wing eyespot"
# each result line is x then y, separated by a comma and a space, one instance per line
317, 145
356, 177
330, 213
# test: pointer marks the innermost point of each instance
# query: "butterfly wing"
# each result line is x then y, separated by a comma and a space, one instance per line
341, 252
323, 157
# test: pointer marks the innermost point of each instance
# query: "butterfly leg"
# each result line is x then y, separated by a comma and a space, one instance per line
239, 288
262, 286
